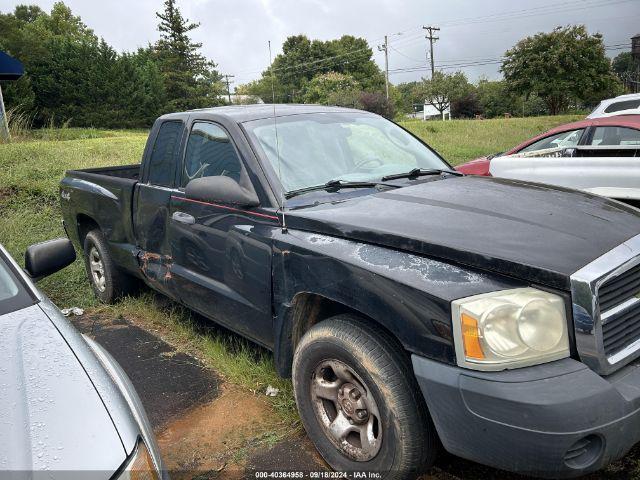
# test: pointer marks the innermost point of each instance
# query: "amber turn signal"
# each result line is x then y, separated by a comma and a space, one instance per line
471, 337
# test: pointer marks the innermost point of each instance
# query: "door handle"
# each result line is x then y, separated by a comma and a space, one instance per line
183, 218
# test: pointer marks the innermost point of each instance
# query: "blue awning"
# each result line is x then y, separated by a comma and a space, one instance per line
10, 68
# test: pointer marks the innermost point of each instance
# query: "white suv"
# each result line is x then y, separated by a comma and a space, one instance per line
621, 105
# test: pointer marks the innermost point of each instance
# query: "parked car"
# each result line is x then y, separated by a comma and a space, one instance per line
409, 303
598, 155
622, 105
67, 410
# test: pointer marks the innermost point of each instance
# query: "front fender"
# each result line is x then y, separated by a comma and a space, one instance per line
407, 294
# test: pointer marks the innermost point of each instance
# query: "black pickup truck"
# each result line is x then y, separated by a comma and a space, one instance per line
411, 305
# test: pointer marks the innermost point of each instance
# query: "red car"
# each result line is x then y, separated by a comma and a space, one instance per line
616, 131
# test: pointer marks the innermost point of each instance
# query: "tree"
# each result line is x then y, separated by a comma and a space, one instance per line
332, 89
564, 65
303, 59
408, 97
74, 77
190, 80
466, 106
624, 63
376, 102
444, 88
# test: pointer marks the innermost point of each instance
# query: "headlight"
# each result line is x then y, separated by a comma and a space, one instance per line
509, 329
139, 466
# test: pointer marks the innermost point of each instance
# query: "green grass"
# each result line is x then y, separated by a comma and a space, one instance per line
459, 141
33, 165
29, 203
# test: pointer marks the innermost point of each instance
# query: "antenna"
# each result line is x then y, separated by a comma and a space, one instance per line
275, 127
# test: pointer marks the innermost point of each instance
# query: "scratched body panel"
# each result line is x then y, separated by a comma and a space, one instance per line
408, 294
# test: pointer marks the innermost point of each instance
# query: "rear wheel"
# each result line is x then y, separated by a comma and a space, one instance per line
361, 418
108, 282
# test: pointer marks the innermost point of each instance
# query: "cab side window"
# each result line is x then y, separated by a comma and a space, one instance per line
210, 152
162, 161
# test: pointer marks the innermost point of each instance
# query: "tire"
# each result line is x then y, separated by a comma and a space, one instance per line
329, 362
108, 282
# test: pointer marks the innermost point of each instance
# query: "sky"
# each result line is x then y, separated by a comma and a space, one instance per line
473, 34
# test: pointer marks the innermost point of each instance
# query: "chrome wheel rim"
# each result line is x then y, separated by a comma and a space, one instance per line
346, 410
97, 269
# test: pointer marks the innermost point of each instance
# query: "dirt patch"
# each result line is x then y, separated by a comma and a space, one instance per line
210, 438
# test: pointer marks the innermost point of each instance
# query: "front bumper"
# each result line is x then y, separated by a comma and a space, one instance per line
559, 419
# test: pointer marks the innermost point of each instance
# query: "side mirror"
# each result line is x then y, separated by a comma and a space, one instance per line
220, 189
43, 259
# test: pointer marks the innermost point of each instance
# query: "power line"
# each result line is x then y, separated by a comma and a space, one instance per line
480, 62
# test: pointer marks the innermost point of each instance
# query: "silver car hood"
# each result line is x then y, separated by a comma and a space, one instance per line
52, 418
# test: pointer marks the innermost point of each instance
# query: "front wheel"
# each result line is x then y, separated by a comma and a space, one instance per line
359, 402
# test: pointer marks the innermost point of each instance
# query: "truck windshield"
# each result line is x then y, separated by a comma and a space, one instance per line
13, 295
312, 149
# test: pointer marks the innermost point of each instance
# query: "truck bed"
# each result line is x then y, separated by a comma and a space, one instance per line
131, 172
102, 196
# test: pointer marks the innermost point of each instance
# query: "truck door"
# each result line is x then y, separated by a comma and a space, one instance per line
151, 204
222, 267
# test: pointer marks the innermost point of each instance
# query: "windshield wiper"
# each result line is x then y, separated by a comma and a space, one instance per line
417, 172
335, 185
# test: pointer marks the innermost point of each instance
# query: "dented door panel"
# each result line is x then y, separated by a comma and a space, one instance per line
150, 221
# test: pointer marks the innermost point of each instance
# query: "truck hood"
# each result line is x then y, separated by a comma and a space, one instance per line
534, 232
51, 417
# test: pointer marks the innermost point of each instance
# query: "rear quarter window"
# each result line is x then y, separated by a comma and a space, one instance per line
619, 106
162, 162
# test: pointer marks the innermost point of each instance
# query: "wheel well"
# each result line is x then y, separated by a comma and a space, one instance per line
308, 309
85, 224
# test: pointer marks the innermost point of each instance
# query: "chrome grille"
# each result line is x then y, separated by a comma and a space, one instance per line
619, 289
606, 308
621, 326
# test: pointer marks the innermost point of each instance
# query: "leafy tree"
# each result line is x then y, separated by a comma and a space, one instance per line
303, 59
624, 63
564, 65
408, 97
376, 102
466, 106
332, 89
443, 89
190, 80
72, 76
24, 35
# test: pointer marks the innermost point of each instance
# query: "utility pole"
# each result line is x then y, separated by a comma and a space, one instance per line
228, 90
432, 40
384, 48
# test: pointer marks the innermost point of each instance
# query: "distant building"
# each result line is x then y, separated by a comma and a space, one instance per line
635, 46
431, 112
